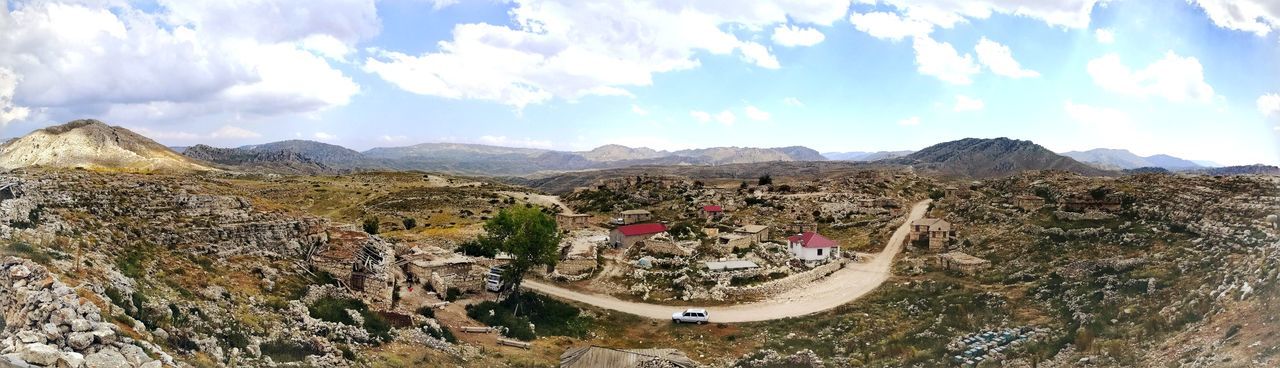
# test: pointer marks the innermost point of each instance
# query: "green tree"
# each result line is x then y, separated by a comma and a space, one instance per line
765, 180
528, 235
409, 223
371, 225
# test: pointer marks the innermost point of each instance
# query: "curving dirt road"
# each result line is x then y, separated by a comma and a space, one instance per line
843, 286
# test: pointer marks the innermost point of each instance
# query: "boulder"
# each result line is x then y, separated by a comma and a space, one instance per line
81, 325
80, 340
106, 358
19, 272
41, 354
134, 355
71, 360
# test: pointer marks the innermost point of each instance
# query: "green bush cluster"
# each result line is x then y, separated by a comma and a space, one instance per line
335, 310
552, 317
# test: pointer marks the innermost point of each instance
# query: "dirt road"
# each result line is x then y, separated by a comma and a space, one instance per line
843, 286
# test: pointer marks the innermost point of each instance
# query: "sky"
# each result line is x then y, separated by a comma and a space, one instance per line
1198, 79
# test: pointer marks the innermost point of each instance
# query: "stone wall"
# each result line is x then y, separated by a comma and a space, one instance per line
781, 285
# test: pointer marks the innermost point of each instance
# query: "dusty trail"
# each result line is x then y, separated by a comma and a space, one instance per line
846, 285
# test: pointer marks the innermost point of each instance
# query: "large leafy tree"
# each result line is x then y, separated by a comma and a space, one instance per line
528, 235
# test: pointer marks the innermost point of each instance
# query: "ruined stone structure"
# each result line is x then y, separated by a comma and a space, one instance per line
936, 232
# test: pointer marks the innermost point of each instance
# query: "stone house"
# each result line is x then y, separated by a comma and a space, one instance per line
572, 221
734, 241
626, 236
635, 216
757, 233
812, 247
360, 262
937, 232
964, 263
440, 274
951, 193
1028, 202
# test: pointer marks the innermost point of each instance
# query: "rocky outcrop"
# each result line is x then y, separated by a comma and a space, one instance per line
46, 323
90, 144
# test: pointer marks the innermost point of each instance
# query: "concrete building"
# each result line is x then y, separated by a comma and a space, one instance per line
626, 236
812, 247
635, 216
757, 233
730, 265
572, 221
936, 232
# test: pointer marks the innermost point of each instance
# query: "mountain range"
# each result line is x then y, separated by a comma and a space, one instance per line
93, 144
1120, 159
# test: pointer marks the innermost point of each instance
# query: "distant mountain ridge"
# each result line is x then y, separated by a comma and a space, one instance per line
983, 158
92, 144
864, 156
280, 161
491, 160
1121, 159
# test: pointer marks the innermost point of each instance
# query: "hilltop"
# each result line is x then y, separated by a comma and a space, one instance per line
984, 158
281, 161
92, 144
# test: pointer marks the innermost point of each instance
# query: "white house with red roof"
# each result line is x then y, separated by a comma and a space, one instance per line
810, 246
626, 236
711, 212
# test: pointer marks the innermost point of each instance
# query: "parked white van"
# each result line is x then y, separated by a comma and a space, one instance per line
698, 316
493, 280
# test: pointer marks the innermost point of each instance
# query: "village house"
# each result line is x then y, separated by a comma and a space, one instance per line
964, 263
440, 274
626, 236
358, 261
757, 233
812, 247
571, 221
711, 212
1028, 202
635, 216
951, 193
598, 356
937, 232
733, 241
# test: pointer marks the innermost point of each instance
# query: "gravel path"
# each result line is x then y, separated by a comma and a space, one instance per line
843, 286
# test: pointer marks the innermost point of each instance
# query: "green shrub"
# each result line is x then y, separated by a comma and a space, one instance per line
427, 312
552, 317
371, 225
409, 223
335, 310
452, 293
288, 351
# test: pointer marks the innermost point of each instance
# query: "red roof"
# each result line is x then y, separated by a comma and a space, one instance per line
712, 209
642, 229
812, 240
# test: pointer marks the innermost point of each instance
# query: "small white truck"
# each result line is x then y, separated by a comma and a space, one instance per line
698, 316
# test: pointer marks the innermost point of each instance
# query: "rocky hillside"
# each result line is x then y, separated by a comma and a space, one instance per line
984, 158
864, 156
259, 160
91, 144
330, 155
1256, 169
1121, 159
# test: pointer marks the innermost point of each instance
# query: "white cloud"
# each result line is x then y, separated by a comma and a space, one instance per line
520, 142
911, 121
1269, 104
940, 60
1257, 16
966, 103
639, 110
700, 116
758, 54
233, 132
945, 13
792, 101
560, 49
1173, 77
183, 58
889, 26
791, 36
441, 4
726, 117
394, 138
8, 110
757, 114
1104, 35
1000, 60
324, 136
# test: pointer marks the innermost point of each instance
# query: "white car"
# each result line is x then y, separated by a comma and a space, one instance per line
698, 316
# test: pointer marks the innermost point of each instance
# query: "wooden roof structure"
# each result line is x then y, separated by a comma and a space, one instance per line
599, 356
